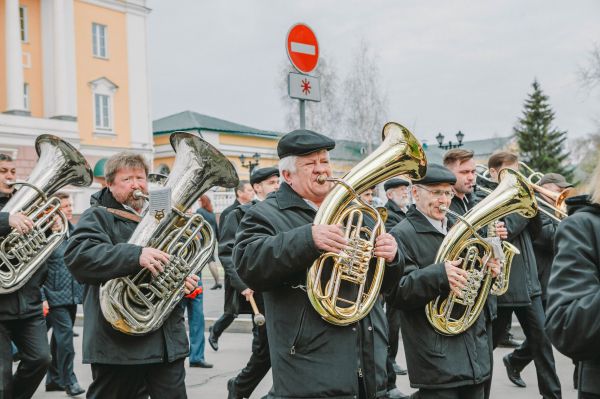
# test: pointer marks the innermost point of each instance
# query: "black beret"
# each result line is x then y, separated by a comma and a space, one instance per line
302, 142
261, 174
395, 182
437, 174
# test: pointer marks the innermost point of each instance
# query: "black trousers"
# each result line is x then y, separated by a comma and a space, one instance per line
29, 335
159, 380
222, 323
532, 319
61, 319
466, 392
258, 366
393, 318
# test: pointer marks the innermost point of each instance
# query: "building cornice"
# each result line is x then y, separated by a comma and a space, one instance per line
22, 130
130, 6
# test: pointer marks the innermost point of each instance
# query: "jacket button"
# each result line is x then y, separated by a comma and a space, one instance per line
370, 328
354, 329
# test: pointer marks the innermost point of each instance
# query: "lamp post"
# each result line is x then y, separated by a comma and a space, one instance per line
440, 139
251, 164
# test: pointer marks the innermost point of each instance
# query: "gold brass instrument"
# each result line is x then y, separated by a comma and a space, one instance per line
333, 275
531, 175
59, 165
454, 315
140, 303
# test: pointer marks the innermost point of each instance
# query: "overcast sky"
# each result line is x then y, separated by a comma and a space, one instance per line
446, 65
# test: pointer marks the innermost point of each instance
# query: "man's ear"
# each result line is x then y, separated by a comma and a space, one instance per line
286, 176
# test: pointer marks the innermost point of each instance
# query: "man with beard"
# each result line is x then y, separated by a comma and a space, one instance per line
21, 319
442, 367
243, 195
277, 243
264, 181
124, 366
461, 163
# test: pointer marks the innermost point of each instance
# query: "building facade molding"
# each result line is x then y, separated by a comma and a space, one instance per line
137, 7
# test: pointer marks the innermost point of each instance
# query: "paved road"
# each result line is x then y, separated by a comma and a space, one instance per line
235, 350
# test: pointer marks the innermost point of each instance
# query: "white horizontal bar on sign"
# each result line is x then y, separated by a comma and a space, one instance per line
303, 48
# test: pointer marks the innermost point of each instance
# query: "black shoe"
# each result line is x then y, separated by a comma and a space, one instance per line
232, 391
509, 342
213, 340
74, 389
202, 364
399, 370
216, 286
514, 375
53, 386
396, 394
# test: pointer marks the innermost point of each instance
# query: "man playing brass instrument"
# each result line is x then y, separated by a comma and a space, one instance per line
21, 319
448, 367
124, 366
275, 246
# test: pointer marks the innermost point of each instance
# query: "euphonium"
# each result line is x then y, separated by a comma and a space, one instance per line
59, 164
140, 303
454, 315
332, 275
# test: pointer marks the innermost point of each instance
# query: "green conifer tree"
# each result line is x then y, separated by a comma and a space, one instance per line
541, 145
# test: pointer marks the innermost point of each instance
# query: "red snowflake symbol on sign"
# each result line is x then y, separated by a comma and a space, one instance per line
305, 86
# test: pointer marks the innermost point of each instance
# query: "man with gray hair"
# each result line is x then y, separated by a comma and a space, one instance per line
276, 244
124, 366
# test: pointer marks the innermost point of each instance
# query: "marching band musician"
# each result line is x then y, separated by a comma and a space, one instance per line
448, 367
574, 288
396, 191
21, 318
524, 293
264, 181
275, 246
124, 366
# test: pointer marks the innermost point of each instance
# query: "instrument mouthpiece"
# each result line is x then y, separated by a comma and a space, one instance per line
321, 179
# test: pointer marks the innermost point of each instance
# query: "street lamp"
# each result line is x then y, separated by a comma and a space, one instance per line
252, 163
440, 139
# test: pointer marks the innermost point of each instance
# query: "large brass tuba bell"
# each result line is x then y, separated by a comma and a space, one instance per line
333, 275
59, 165
454, 315
140, 303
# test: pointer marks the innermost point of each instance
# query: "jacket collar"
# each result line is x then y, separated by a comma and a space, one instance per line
392, 206
105, 198
420, 222
581, 203
288, 198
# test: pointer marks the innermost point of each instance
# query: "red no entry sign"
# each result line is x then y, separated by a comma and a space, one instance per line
302, 48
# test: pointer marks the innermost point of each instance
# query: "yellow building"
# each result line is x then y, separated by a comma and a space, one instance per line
77, 69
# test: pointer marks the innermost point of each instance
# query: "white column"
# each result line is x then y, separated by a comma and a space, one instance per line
64, 104
14, 60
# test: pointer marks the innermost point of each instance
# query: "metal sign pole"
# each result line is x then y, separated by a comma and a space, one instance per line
302, 114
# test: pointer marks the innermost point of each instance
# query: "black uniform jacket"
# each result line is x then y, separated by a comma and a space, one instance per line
311, 358
27, 300
523, 282
543, 247
434, 361
229, 227
395, 215
229, 304
573, 321
97, 252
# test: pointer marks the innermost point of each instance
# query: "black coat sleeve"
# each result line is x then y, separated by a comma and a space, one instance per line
91, 255
4, 225
516, 224
572, 319
266, 258
226, 243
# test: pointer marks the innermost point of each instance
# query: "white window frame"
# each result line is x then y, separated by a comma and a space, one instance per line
23, 24
26, 99
103, 88
97, 43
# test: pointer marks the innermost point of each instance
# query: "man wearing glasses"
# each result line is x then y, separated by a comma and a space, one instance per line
449, 367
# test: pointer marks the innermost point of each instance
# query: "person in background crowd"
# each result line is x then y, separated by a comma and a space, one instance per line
61, 294
367, 195
21, 318
206, 211
243, 195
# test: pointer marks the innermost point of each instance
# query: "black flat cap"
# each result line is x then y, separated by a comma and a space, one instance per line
302, 142
261, 174
437, 174
395, 182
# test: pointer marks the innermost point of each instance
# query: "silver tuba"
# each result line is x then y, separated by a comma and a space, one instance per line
141, 302
59, 164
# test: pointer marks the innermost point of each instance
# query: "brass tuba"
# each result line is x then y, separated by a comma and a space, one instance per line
59, 164
332, 274
140, 303
454, 315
